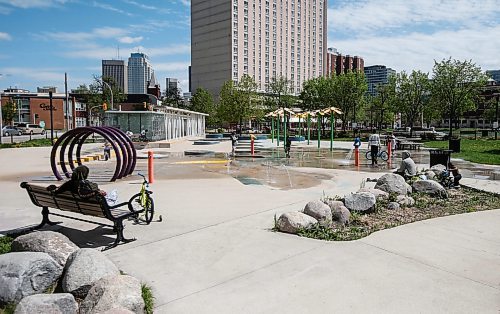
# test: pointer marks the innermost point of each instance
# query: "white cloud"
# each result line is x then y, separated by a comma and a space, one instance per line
165, 51
109, 7
418, 51
130, 40
186, 2
26, 4
372, 15
5, 36
103, 32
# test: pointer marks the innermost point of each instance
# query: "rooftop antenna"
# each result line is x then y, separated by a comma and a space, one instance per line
118, 52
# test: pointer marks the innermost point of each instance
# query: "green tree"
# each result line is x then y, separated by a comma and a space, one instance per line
173, 98
280, 92
456, 87
348, 95
412, 95
382, 105
8, 112
237, 101
202, 101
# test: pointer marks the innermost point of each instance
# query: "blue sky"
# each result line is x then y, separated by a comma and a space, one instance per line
42, 39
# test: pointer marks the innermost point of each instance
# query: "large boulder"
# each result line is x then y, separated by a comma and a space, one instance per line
334, 205
404, 200
341, 215
83, 269
379, 194
112, 292
360, 202
57, 245
48, 303
393, 205
26, 273
320, 211
118, 310
392, 183
430, 187
430, 174
292, 222
409, 189
438, 169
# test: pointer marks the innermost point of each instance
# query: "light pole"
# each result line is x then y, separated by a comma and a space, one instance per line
110, 90
1, 120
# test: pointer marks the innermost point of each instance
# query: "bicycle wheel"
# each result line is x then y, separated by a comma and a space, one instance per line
368, 155
384, 156
149, 209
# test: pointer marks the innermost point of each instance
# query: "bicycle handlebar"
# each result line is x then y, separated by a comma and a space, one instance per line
144, 177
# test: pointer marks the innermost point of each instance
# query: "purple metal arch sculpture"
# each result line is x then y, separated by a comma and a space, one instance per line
122, 145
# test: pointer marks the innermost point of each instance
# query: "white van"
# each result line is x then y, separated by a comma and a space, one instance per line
27, 128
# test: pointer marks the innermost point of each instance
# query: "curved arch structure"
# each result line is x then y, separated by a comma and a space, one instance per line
69, 146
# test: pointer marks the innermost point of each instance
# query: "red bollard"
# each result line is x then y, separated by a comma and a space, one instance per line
252, 147
389, 149
356, 156
151, 177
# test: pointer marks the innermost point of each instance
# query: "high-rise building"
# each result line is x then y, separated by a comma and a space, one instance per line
117, 70
338, 63
263, 39
140, 73
171, 84
377, 74
495, 74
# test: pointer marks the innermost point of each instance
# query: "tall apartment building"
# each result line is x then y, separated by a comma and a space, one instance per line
377, 74
171, 84
336, 63
140, 73
118, 71
261, 38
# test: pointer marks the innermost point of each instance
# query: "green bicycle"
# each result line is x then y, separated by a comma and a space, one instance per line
144, 200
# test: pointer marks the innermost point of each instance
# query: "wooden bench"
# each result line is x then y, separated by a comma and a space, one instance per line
96, 206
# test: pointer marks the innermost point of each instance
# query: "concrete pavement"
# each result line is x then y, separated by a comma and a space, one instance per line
215, 251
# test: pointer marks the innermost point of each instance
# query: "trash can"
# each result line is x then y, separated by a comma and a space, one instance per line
439, 157
454, 145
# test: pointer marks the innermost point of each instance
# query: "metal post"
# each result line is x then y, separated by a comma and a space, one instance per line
319, 130
1, 120
300, 127
308, 128
272, 129
496, 117
285, 126
331, 130
278, 138
110, 90
51, 119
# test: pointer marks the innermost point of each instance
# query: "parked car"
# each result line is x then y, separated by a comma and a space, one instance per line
27, 128
10, 130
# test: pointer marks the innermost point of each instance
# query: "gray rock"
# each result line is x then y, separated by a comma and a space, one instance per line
360, 202
430, 187
112, 292
409, 189
341, 215
48, 303
334, 205
430, 174
438, 169
291, 222
320, 211
393, 205
57, 245
404, 200
379, 194
83, 269
118, 310
26, 273
392, 183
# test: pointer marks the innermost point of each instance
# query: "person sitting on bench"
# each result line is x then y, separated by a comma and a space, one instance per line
407, 169
78, 184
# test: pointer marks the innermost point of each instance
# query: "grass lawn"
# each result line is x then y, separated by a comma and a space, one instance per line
480, 151
33, 143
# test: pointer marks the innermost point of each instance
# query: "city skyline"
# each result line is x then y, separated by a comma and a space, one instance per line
400, 35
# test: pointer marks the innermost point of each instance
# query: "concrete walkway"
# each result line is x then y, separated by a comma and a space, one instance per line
215, 251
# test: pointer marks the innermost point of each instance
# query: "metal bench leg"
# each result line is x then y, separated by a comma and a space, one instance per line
45, 218
118, 228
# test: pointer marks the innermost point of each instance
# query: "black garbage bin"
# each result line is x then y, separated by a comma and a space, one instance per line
454, 145
439, 157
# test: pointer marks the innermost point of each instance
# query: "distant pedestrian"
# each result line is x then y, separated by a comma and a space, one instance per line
234, 142
288, 146
129, 134
392, 140
107, 151
374, 144
357, 142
